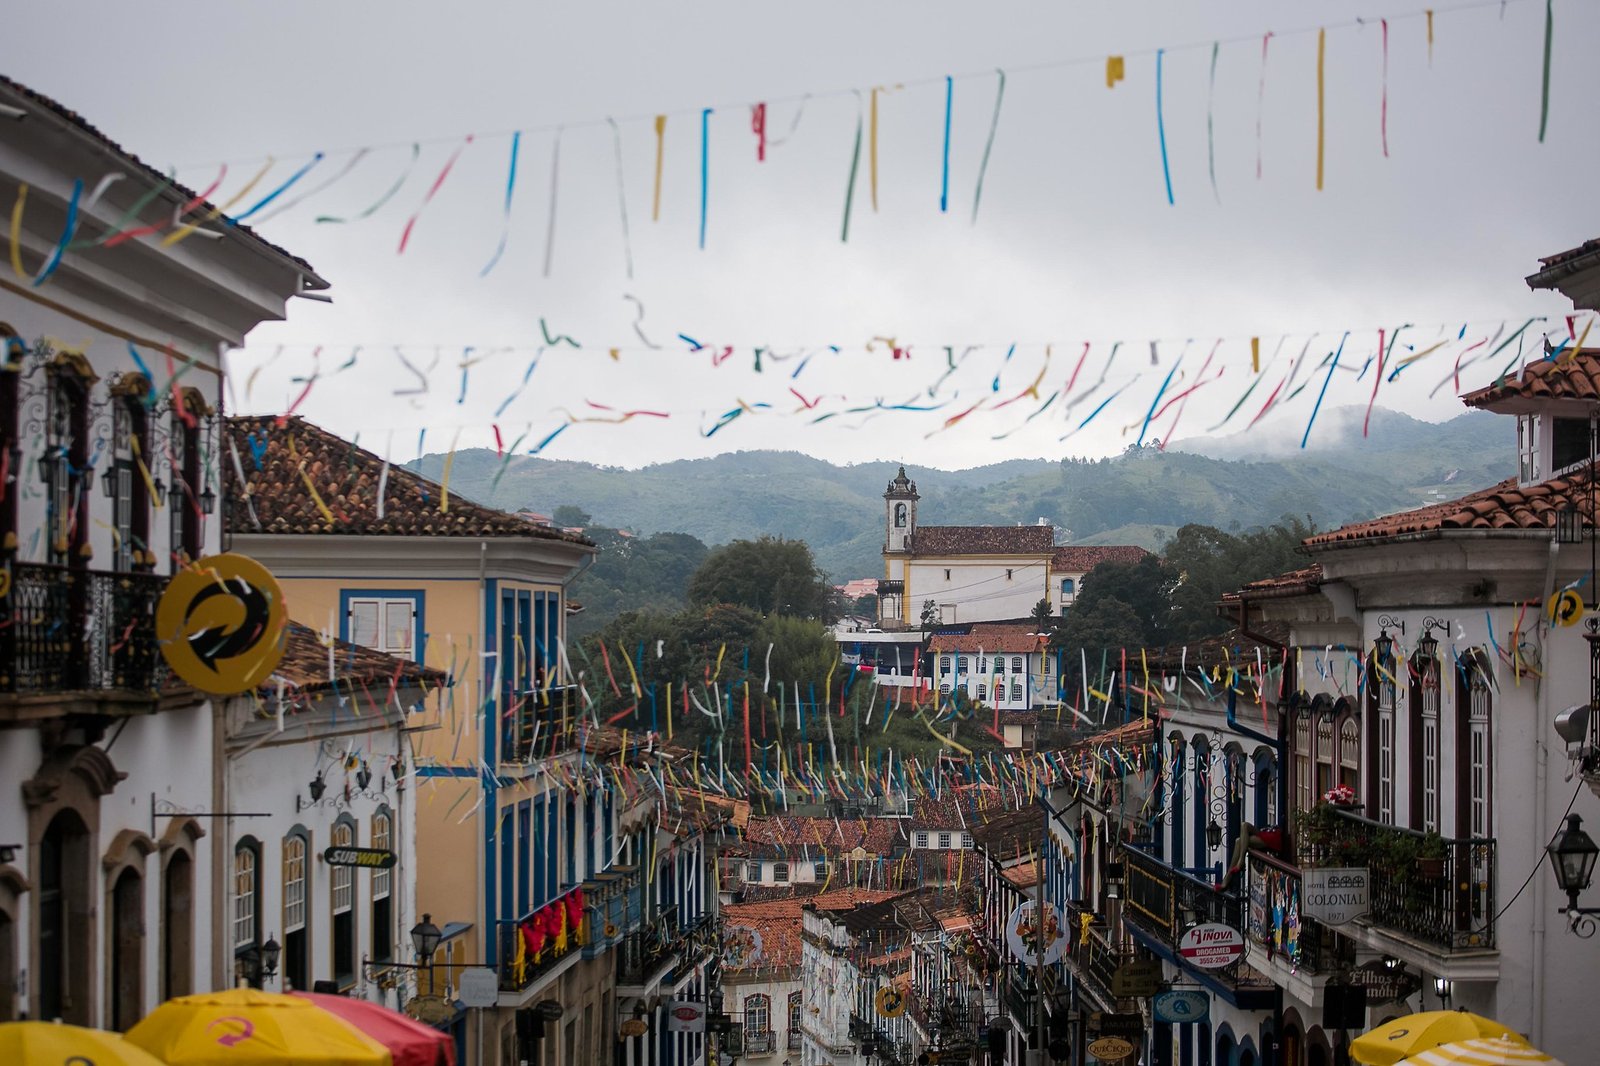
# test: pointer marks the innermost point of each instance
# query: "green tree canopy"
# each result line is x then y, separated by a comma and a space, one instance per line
771, 575
570, 515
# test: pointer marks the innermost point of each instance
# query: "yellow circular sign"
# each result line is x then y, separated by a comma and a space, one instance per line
221, 624
1565, 607
891, 1002
1111, 1049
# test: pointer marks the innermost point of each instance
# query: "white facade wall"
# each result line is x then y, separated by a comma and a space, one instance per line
274, 779
983, 680
975, 589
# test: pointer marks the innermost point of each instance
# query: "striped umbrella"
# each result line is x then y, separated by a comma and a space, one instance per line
1488, 1051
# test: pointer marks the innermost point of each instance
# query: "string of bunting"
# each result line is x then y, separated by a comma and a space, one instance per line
1003, 387
301, 185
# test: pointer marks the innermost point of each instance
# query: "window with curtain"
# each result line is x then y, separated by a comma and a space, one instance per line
1382, 697
1303, 798
382, 890
1474, 750
246, 863
1350, 752
1424, 743
296, 958
795, 1002
341, 880
757, 1014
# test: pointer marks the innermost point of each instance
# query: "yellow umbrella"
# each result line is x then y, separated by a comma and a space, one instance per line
243, 1026
49, 1044
1402, 1038
1490, 1051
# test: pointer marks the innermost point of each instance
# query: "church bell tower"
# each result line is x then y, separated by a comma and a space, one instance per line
900, 513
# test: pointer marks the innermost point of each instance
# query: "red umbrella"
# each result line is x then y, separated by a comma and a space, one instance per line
410, 1043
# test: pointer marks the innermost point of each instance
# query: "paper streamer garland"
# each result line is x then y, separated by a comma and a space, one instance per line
1161, 127
944, 174
988, 145
505, 225
405, 234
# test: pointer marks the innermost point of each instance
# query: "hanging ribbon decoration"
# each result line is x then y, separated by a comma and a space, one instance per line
944, 176
705, 167
872, 148
550, 221
661, 140
988, 145
622, 195
1383, 107
1211, 140
280, 190
405, 234
850, 186
505, 226
1161, 126
1544, 91
1322, 51
1261, 98
758, 126
416, 153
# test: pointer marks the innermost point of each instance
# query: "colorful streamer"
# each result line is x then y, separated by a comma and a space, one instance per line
1261, 98
1383, 107
1544, 89
872, 148
405, 175
622, 195
1211, 140
405, 234
1332, 366
182, 232
67, 231
280, 190
944, 175
1161, 126
293, 202
550, 221
988, 145
661, 141
850, 185
1322, 51
505, 226
705, 167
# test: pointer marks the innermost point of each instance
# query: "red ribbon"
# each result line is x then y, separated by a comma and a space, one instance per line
758, 126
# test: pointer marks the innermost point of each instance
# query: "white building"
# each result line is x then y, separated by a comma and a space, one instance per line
110, 898
326, 760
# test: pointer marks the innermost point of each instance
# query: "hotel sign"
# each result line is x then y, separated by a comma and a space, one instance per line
1335, 895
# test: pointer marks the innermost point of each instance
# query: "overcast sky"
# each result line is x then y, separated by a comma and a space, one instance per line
1074, 239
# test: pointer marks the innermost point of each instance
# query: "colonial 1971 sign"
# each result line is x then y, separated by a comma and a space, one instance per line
1334, 895
1211, 946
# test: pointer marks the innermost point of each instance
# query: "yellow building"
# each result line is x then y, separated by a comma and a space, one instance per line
519, 825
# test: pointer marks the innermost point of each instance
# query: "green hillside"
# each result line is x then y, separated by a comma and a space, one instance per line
1240, 482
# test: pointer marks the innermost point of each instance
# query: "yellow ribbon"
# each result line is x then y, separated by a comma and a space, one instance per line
1322, 50
215, 213
661, 134
1116, 70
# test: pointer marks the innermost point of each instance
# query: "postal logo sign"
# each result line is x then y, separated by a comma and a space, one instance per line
1211, 946
222, 624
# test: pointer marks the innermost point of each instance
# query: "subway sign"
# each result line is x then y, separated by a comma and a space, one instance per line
372, 858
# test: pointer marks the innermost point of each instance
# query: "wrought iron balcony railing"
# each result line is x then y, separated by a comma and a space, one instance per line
1093, 955
1274, 921
1435, 889
760, 1043
1163, 899
550, 937
539, 724
64, 629
795, 1039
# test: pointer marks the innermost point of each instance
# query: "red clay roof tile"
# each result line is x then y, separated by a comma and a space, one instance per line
1081, 558
982, 540
1570, 376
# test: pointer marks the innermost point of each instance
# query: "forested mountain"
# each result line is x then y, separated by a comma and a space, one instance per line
1137, 497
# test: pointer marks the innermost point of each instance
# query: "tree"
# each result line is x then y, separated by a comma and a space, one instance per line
771, 575
1043, 617
570, 515
930, 615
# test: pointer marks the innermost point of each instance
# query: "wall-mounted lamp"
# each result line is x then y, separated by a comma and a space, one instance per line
208, 501
1442, 988
1214, 834
8, 852
363, 776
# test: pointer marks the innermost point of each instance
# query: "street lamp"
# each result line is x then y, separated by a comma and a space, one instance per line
269, 957
1214, 834
425, 941
1428, 645
1572, 857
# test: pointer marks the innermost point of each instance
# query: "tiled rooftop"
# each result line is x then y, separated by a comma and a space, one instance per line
153, 177
1506, 506
784, 835
1081, 558
988, 637
982, 540
284, 464
1569, 376
306, 664
1294, 583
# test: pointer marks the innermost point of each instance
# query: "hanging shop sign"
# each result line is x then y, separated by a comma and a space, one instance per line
1135, 980
1211, 946
1384, 984
634, 1027
1182, 1007
685, 1016
371, 858
222, 624
890, 1002
1111, 1049
1025, 934
1112, 1023
1335, 895
477, 986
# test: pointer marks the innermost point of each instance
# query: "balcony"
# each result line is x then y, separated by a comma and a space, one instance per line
553, 941
1163, 902
1094, 957
760, 1043
539, 724
1274, 921
1432, 889
65, 630
890, 588
796, 1038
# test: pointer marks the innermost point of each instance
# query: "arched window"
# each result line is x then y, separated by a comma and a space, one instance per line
296, 966
757, 1015
1325, 751
1474, 750
66, 460
944, 664
780, 872
341, 880
246, 901
11, 351
1016, 692
177, 925
983, 692
1424, 742
1069, 589
382, 881
188, 486
1350, 752
1381, 699
130, 446
900, 516
794, 1020
961, 664
1016, 664
126, 934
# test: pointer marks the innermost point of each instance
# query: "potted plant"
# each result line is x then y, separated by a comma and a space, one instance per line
1431, 852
